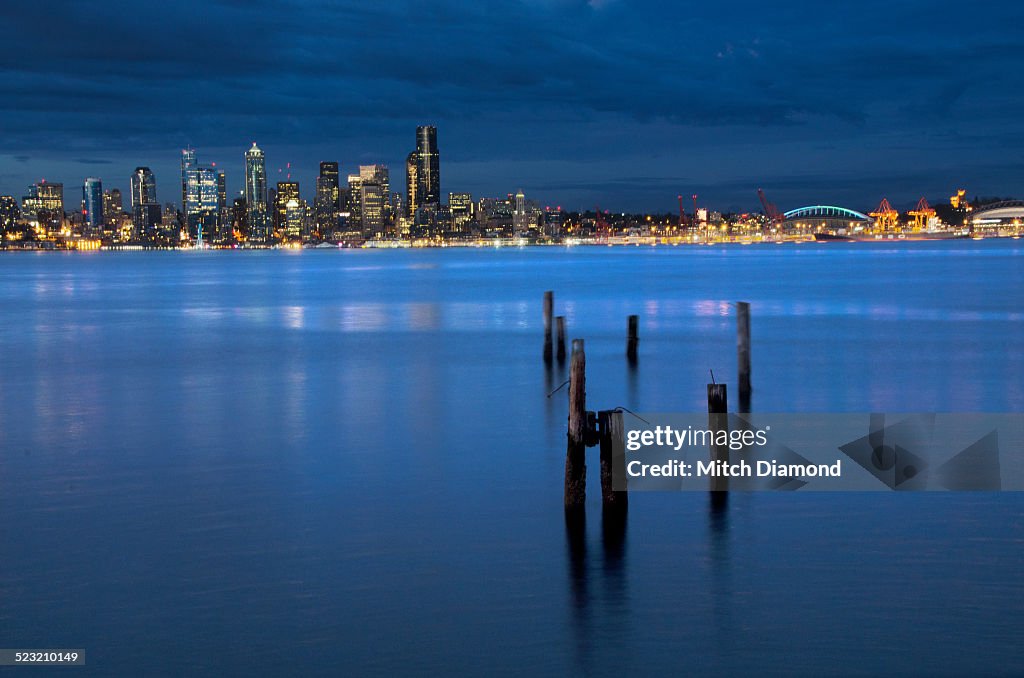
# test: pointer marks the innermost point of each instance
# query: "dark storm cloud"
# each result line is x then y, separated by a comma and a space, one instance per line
710, 94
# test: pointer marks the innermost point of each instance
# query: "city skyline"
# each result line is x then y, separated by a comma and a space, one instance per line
620, 104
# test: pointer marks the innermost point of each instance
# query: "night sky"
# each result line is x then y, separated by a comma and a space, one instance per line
613, 102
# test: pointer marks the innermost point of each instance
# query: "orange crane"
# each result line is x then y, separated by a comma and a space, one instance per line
885, 216
922, 213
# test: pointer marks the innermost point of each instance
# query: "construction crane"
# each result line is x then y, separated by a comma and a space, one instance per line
603, 230
770, 210
922, 214
885, 216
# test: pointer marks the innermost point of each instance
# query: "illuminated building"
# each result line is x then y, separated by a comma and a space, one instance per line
294, 219
9, 214
355, 198
113, 206
45, 205
373, 198
461, 206
188, 162
202, 201
256, 195
146, 213
92, 206
411, 184
224, 230
326, 204
286, 192
428, 166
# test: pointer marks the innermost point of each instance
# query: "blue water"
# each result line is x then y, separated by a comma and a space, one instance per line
345, 463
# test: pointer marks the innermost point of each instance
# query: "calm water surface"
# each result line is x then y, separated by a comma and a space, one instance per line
345, 462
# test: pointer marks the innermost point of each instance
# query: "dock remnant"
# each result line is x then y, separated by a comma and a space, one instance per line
575, 453
631, 337
560, 331
743, 353
549, 309
613, 458
718, 420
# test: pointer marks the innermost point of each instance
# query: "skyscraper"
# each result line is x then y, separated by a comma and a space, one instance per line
188, 161
411, 184
92, 206
428, 166
326, 205
143, 187
202, 201
224, 231
146, 213
374, 192
112, 206
256, 194
287, 191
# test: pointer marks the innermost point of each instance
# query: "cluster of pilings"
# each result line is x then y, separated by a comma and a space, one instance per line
605, 428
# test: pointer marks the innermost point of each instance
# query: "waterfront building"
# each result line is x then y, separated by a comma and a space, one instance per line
461, 206
202, 202
92, 206
256, 195
411, 184
327, 203
9, 214
113, 207
286, 192
44, 205
146, 212
428, 166
188, 162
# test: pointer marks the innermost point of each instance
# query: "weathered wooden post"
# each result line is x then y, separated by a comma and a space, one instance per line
613, 459
560, 325
718, 420
743, 353
631, 338
549, 308
575, 453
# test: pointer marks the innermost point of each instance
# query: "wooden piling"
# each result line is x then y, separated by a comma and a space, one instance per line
560, 326
549, 308
575, 457
718, 420
613, 459
743, 353
631, 337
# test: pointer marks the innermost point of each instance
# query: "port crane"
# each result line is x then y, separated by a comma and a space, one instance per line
885, 216
770, 210
922, 214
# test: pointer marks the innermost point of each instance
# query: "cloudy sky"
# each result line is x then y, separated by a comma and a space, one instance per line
619, 103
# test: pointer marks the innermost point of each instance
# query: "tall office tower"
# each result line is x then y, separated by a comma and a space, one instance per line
286, 192
202, 202
461, 206
428, 166
374, 194
326, 204
188, 162
45, 205
373, 207
143, 187
146, 213
412, 182
92, 205
294, 219
223, 215
355, 209
9, 214
113, 206
256, 195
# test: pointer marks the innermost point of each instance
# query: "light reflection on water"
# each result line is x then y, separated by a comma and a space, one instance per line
354, 454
